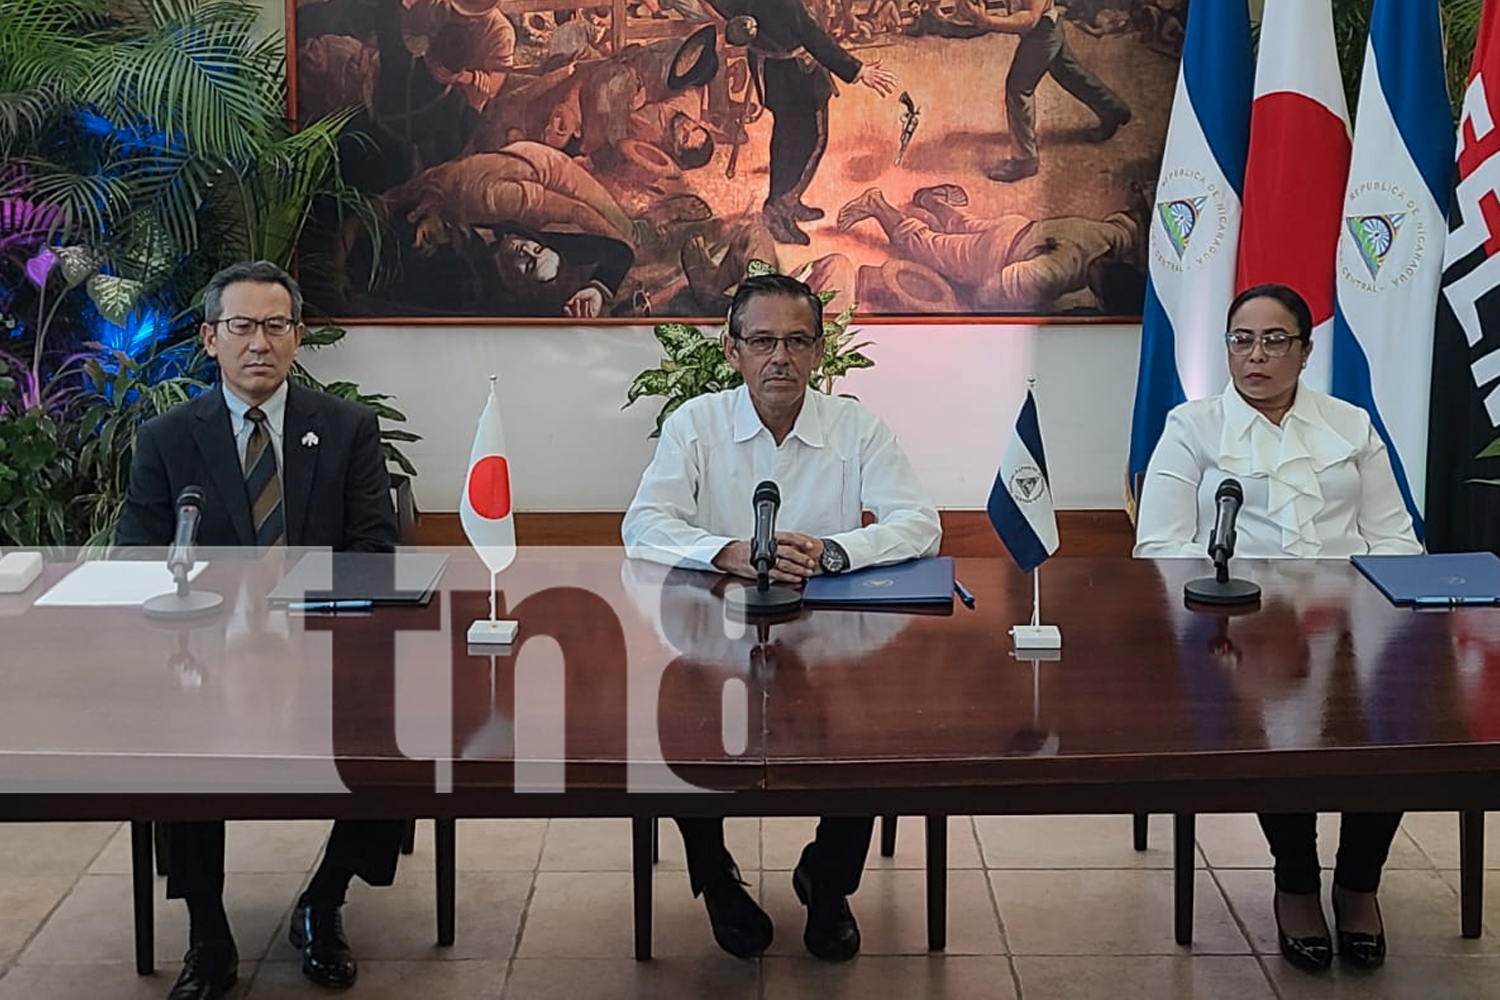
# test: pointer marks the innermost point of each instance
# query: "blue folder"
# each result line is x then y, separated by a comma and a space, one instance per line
920, 581
1439, 580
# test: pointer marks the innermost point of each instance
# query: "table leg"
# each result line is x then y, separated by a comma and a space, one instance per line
640, 869
141, 884
1183, 846
937, 882
888, 836
1471, 873
445, 851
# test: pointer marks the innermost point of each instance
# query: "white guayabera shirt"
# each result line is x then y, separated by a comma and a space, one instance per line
838, 461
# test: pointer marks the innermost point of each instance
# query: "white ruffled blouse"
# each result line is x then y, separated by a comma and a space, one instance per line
1319, 485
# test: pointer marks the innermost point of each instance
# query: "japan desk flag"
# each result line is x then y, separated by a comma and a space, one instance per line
485, 508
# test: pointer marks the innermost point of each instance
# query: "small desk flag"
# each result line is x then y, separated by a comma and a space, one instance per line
1020, 504
485, 508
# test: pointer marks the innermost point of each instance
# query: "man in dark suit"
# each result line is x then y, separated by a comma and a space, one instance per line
278, 465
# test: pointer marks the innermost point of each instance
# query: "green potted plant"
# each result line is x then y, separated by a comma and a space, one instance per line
143, 147
695, 362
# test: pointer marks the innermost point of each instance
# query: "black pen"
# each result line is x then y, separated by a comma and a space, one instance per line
964, 595
315, 606
1453, 602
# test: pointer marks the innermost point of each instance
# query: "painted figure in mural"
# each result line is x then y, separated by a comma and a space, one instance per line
793, 62
1043, 49
1010, 263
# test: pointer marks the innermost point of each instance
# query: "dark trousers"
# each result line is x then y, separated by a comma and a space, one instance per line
799, 137
1364, 842
366, 847
838, 851
1042, 50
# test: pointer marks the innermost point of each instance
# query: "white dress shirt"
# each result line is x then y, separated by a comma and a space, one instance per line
838, 461
1319, 485
275, 411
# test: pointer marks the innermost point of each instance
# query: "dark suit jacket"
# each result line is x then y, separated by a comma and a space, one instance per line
337, 492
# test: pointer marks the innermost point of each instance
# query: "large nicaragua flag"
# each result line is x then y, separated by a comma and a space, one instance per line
1020, 504
485, 508
1463, 500
1299, 160
1195, 227
1390, 260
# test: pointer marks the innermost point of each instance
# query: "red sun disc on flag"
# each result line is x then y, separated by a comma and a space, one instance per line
489, 488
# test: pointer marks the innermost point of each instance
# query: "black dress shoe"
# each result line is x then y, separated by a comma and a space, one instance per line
1359, 949
318, 932
209, 969
739, 924
831, 933
1107, 127
1016, 169
805, 213
1310, 954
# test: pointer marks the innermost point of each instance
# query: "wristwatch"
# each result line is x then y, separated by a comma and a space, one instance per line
834, 559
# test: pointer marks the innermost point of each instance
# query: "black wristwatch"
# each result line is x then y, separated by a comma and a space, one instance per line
834, 559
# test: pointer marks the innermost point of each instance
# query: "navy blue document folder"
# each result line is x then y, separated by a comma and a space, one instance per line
1437, 580
920, 581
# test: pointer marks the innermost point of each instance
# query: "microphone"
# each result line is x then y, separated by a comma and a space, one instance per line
1221, 589
180, 555
184, 602
764, 599
763, 544
1228, 499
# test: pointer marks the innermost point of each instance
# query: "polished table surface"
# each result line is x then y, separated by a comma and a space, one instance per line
628, 689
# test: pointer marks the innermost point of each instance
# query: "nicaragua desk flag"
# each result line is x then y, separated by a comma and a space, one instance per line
1463, 504
1020, 504
1299, 161
1195, 227
485, 508
1390, 260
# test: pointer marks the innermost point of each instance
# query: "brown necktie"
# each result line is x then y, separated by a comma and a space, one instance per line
263, 483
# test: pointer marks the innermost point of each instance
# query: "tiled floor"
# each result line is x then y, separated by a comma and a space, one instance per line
1040, 908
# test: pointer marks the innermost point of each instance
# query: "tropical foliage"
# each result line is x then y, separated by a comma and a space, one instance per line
144, 146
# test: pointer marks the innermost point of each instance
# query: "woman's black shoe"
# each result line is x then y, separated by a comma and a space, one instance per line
1358, 949
1310, 954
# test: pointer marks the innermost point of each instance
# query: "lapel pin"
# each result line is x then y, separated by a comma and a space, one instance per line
309, 440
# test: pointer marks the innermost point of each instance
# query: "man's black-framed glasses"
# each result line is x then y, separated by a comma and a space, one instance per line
797, 343
244, 326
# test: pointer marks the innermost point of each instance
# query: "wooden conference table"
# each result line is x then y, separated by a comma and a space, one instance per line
629, 695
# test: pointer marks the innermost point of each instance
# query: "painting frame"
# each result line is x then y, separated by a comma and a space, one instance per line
466, 198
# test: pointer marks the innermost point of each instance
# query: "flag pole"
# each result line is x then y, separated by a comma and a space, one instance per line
485, 510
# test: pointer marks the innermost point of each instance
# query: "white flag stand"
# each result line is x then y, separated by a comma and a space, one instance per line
1035, 635
493, 631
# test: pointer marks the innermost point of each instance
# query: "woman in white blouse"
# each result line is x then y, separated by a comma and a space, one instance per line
1317, 483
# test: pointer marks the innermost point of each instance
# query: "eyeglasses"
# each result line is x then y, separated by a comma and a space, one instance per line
244, 326
796, 344
1242, 342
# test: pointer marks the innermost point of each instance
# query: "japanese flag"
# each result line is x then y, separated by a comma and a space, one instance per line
485, 508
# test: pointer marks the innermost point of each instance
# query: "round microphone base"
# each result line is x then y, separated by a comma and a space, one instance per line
1231, 591
181, 607
771, 601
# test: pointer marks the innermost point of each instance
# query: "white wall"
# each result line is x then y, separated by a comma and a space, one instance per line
950, 392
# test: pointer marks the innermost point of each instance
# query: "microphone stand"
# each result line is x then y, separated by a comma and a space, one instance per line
764, 598
1222, 588
184, 603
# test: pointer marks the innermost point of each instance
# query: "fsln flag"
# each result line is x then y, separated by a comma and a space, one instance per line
1390, 261
1463, 504
1195, 225
1299, 161
1020, 504
485, 507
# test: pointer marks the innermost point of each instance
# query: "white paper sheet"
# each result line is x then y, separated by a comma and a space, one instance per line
113, 583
